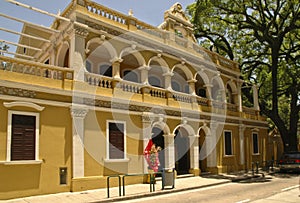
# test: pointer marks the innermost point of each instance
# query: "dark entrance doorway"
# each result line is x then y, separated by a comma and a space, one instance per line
182, 151
203, 154
159, 141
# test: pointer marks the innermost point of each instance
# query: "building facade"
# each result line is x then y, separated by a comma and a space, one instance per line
81, 100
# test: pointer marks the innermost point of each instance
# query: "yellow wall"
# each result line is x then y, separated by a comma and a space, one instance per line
54, 152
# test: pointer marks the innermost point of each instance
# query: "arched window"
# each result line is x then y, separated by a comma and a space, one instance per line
130, 76
105, 70
176, 86
229, 95
201, 92
88, 66
154, 81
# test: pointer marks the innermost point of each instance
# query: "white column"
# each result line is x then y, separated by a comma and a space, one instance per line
77, 52
211, 143
168, 79
144, 74
194, 151
169, 151
78, 114
242, 144
208, 91
147, 119
239, 96
255, 97
192, 86
116, 67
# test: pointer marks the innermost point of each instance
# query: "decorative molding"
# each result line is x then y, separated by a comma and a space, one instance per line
23, 104
78, 111
17, 92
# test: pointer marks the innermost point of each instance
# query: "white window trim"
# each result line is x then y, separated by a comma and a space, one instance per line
258, 153
107, 142
228, 155
37, 135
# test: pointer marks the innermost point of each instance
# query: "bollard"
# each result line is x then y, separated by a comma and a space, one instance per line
257, 163
252, 168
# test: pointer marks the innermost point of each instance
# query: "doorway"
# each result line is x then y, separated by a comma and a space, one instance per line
182, 151
202, 152
159, 141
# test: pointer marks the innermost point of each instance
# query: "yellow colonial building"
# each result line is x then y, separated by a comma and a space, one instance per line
81, 99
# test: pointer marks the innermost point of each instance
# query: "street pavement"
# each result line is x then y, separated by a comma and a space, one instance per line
131, 192
143, 190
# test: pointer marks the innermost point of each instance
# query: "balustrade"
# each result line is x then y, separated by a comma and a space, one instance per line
106, 12
98, 80
34, 68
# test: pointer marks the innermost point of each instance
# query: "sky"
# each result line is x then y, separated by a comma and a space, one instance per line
149, 11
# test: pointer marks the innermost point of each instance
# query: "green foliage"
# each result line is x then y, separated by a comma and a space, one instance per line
264, 37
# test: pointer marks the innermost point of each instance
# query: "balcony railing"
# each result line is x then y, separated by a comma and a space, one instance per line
34, 68
54, 73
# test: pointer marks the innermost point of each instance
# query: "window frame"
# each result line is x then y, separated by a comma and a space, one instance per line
108, 159
231, 143
9, 135
257, 137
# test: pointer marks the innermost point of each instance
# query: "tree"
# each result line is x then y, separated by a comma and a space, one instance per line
264, 37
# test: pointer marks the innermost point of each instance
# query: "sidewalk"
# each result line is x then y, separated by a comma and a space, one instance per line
131, 191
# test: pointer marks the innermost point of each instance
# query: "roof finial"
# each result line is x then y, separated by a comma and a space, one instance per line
130, 12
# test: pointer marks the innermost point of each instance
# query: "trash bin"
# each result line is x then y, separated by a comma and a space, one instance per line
168, 178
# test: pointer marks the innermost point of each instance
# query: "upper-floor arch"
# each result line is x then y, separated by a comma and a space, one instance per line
231, 92
132, 51
62, 58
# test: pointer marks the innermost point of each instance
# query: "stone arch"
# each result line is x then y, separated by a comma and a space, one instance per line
180, 77
185, 70
204, 133
135, 53
206, 130
188, 128
232, 85
62, 58
163, 126
96, 43
218, 89
100, 52
163, 64
182, 144
201, 84
158, 67
132, 60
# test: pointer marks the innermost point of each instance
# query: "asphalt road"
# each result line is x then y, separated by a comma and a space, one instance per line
261, 190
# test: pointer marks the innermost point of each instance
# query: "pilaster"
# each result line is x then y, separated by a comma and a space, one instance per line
242, 143
77, 51
169, 151
78, 114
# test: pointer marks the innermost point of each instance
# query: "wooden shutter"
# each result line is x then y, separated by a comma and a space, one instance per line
116, 141
23, 137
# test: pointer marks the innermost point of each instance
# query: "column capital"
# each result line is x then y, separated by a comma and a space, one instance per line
147, 68
79, 31
78, 111
168, 74
147, 117
116, 60
192, 81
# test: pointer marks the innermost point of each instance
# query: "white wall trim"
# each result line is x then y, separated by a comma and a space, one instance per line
9, 132
24, 104
107, 141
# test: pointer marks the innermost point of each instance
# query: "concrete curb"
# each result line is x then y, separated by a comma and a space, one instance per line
159, 192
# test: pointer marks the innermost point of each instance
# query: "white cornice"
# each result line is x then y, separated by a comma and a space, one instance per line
23, 104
